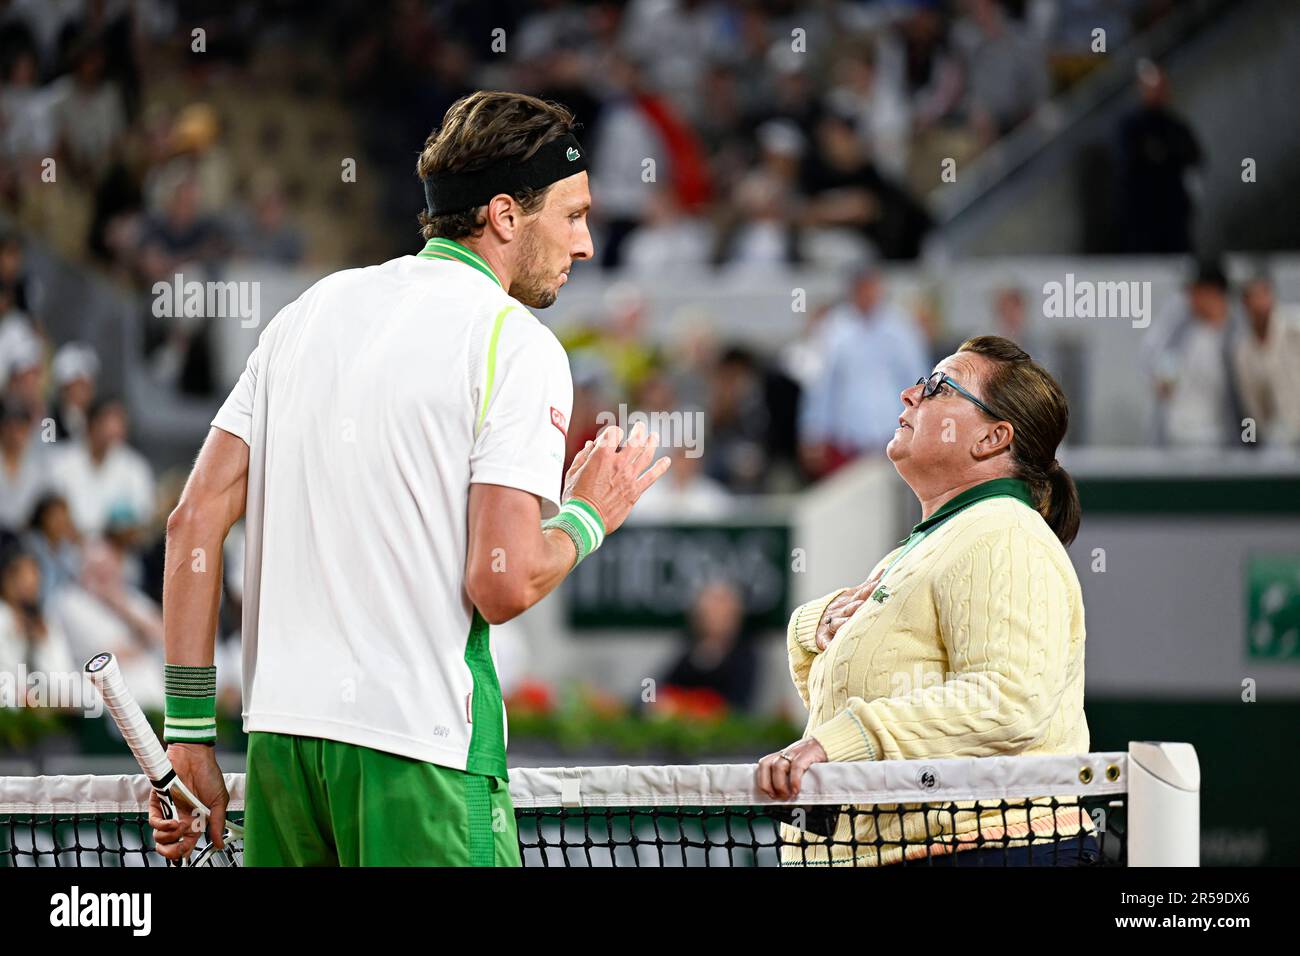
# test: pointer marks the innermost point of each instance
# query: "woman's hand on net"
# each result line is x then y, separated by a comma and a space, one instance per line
780, 775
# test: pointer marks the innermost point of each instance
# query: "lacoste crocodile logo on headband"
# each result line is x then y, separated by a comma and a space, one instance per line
571, 154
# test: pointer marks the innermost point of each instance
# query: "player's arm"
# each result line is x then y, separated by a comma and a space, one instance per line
211, 503
213, 500
513, 562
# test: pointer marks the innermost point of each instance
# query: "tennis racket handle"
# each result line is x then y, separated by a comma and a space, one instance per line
104, 673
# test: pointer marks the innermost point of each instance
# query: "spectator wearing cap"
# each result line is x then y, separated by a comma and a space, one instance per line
1196, 402
23, 474
872, 351
75, 369
20, 344
104, 473
755, 229
1266, 355
24, 372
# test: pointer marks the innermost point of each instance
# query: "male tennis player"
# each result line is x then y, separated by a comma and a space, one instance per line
396, 441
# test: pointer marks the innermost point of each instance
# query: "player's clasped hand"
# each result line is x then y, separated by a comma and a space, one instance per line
175, 839
610, 478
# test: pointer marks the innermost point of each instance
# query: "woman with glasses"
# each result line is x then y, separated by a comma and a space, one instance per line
965, 641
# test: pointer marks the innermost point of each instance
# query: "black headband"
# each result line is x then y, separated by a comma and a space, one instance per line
453, 192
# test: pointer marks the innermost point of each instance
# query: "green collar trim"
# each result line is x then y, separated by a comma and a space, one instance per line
439, 248
996, 488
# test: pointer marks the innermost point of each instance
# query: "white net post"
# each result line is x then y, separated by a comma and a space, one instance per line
1164, 805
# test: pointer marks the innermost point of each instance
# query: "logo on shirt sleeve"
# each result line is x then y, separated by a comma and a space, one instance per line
557, 419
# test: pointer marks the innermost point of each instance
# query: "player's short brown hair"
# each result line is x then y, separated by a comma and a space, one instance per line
484, 128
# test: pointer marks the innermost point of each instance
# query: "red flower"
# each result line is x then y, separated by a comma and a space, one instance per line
531, 696
698, 703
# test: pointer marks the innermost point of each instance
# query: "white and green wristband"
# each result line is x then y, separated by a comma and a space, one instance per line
582, 523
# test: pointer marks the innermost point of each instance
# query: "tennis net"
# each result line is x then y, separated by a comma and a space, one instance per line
991, 811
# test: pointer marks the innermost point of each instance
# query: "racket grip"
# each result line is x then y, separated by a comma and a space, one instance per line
104, 673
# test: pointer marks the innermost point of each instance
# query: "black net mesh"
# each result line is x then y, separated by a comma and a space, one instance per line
91, 839
990, 833
1043, 832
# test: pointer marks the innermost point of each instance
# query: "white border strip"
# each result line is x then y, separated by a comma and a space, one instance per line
861, 782
90, 793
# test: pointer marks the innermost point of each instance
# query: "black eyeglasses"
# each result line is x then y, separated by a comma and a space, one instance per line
937, 380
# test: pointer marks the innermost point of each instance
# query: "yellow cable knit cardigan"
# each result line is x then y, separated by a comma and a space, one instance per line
976, 651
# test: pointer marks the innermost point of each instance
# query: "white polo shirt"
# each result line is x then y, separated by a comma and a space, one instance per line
369, 406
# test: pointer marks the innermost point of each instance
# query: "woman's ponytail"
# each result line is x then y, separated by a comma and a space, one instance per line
1033, 402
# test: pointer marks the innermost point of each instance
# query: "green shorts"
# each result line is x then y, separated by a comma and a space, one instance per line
314, 802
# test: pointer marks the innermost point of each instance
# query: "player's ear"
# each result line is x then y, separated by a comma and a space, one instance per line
503, 216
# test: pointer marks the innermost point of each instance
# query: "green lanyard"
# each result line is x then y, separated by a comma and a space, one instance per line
882, 593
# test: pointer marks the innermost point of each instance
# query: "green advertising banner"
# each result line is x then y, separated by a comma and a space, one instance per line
647, 575
1273, 607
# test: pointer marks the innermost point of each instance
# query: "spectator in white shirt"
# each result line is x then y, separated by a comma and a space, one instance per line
873, 350
89, 113
23, 476
104, 474
28, 641
1196, 403
103, 612
75, 369
1266, 357
28, 130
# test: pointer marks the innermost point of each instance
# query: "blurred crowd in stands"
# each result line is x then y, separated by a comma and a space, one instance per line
148, 187
779, 132
82, 513
771, 148
782, 132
